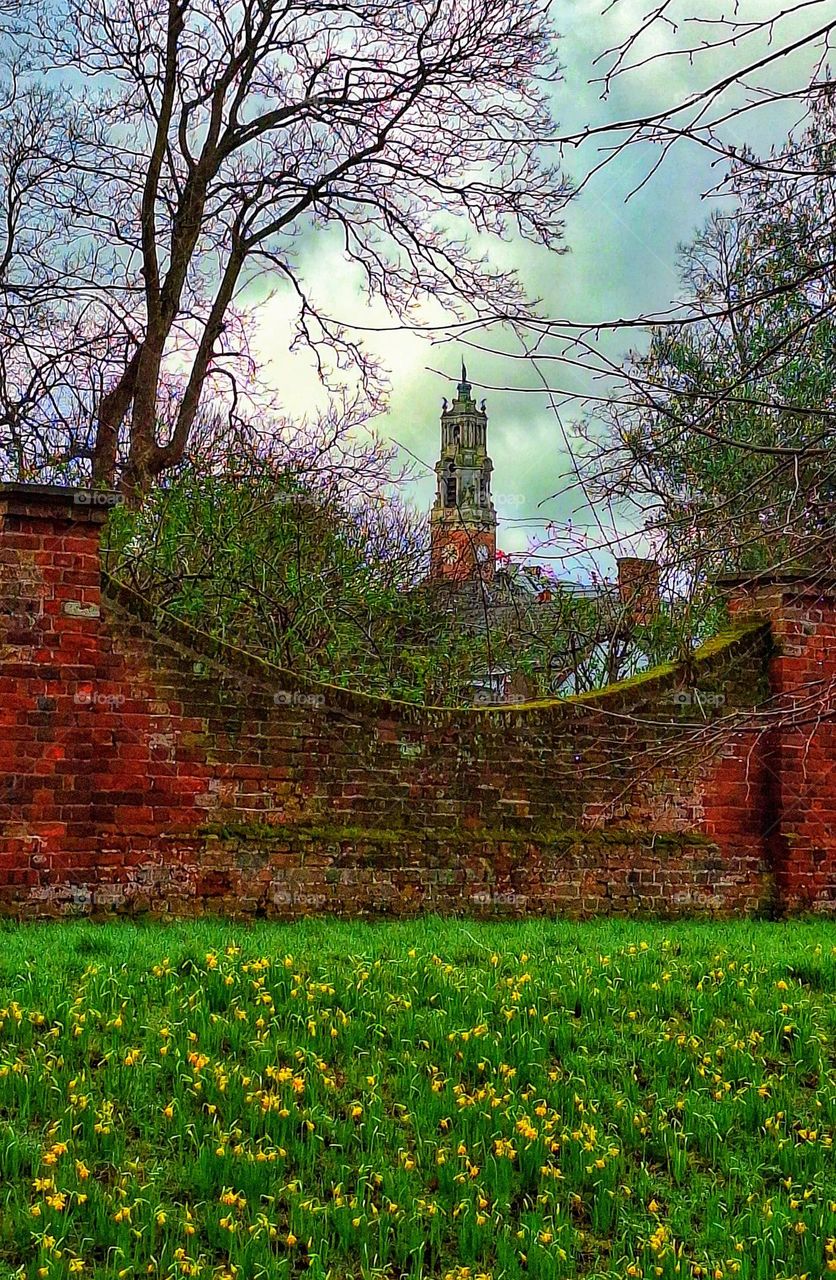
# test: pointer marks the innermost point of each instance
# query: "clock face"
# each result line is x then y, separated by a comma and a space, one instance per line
481, 553
450, 554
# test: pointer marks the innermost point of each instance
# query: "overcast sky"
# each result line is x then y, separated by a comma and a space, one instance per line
620, 261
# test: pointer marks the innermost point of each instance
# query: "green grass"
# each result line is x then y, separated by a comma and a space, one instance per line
432, 1099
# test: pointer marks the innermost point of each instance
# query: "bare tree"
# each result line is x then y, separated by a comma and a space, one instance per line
219, 140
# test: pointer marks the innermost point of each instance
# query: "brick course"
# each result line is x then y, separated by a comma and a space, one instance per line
146, 767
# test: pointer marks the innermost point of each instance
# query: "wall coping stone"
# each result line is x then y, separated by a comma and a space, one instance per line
810, 581
52, 501
625, 694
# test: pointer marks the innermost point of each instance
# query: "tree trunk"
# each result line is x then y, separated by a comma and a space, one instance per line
112, 409
139, 471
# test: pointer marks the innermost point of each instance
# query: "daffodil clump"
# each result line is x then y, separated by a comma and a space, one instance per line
440, 1100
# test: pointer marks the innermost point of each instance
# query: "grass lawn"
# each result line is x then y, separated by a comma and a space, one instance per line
428, 1099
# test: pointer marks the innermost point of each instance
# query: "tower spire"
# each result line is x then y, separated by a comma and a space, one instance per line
464, 387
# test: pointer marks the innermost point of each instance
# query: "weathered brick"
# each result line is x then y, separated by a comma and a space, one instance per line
147, 772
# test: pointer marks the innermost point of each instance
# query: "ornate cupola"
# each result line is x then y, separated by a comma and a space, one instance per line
463, 519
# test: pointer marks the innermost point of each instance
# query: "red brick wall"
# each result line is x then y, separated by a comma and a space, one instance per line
799, 732
145, 767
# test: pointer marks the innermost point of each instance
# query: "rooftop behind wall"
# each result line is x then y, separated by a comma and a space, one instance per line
146, 767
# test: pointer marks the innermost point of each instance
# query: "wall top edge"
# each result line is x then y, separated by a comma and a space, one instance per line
60, 502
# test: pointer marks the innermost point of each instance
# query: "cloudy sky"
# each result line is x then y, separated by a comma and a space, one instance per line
621, 258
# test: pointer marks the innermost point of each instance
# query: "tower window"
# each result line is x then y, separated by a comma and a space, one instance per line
450, 491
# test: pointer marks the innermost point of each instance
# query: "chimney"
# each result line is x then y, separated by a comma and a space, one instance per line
638, 589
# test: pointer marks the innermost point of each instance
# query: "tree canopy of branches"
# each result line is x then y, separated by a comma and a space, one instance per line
722, 434
208, 150
305, 557
293, 544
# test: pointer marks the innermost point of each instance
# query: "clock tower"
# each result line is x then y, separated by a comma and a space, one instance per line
463, 519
